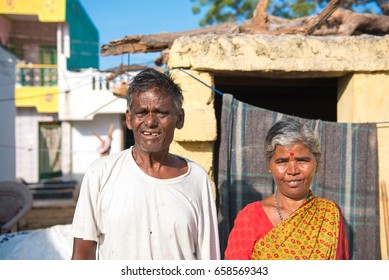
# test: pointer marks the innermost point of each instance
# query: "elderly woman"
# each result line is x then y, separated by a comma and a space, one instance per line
291, 224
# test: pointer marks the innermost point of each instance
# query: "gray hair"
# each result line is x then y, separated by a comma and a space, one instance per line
288, 132
153, 80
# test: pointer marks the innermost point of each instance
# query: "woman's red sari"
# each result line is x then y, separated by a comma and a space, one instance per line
314, 231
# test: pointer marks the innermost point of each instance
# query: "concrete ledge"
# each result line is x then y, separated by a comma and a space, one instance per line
284, 53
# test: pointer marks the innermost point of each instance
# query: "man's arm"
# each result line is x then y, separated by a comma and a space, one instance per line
84, 249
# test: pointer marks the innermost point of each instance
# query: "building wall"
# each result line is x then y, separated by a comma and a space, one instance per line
87, 106
84, 94
27, 148
52, 11
84, 42
5, 27
195, 139
85, 144
363, 98
44, 99
36, 26
7, 116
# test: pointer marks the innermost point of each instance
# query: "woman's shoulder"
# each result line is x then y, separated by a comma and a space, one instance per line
251, 209
327, 203
253, 217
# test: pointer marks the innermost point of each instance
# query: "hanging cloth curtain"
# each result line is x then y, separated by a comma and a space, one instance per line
348, 174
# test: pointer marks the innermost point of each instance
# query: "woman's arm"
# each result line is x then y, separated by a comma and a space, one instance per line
248, 226
342, 252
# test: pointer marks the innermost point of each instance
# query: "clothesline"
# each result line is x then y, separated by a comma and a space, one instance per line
182, 70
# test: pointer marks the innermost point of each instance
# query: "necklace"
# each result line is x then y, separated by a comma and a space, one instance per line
278, 207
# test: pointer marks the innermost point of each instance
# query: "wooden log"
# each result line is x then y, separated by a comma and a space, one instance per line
351, 23
161, 41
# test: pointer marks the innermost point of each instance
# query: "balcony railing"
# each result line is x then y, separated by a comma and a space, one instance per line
36, 75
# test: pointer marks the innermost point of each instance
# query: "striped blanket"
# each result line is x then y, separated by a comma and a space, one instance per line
348, 175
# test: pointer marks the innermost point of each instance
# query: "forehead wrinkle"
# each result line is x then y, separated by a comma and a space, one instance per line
150, 99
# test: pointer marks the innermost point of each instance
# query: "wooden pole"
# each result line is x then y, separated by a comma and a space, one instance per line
110, 130
384, 198
98, 137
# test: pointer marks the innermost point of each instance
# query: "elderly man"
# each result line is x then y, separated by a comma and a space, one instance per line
145, 203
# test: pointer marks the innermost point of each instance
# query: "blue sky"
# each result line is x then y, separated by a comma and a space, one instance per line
115, 19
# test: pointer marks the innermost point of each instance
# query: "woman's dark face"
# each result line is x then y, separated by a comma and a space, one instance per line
293, 169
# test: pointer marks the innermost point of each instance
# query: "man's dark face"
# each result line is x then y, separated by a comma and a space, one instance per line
153, 119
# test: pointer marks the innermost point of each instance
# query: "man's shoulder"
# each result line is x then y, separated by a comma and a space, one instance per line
194, 165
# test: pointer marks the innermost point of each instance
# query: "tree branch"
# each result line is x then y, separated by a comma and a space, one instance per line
312, 23
317, 21
161, 41
259, 23
350, 23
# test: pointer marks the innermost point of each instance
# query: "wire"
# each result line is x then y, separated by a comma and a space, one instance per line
98, 109
44, 94
197, 79
68, 91
42, 149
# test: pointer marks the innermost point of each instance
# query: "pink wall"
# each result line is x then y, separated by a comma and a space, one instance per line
5, 27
